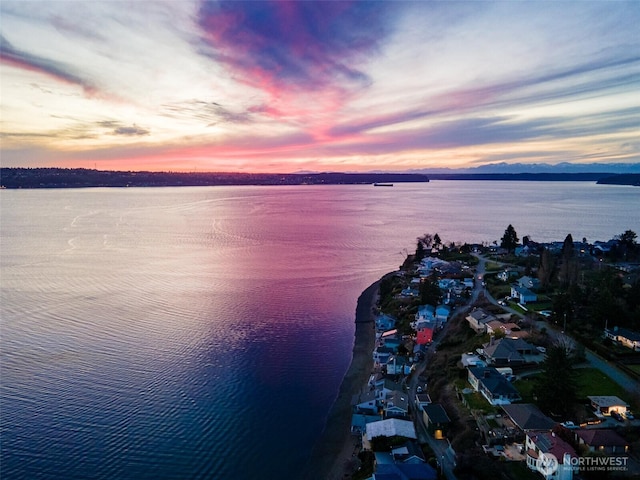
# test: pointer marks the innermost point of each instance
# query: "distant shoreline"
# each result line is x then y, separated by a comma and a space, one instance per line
333, 453
32, 178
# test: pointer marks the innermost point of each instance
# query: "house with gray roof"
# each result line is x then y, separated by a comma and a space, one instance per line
528, 417
507, 352
492, 385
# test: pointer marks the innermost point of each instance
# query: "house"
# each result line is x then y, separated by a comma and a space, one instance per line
404, 471
422, 400
606, 404
396, 405
359, 422
381, 355
472, 360
549, 455
366, 403
492, 385
442, 314
409, 452
601, 440
523, 294
426, 313
624, 337
507, 275
511, 330
386, 387
528, 417
398, 366
436, 420
507, 352
424, 336
391, 339
478, 319
529, 282
385, 322
391, 427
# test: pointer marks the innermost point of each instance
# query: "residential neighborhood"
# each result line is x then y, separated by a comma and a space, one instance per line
464, 344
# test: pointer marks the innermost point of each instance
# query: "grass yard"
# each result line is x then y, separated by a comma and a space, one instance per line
592, 381
635, 368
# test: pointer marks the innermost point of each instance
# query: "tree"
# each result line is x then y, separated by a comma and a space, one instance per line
556, 386
430, 293
569, 267
545, 268
436, 240
419, 251
509, 239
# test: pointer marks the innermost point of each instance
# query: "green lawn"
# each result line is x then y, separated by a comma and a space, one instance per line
635, 368
592, 381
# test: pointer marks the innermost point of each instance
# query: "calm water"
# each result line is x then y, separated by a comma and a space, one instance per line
204, 332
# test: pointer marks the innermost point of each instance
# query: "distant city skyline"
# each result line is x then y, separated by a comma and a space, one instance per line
318, 86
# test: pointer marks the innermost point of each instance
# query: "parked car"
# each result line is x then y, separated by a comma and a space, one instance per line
629, 415
617, 416
569, 425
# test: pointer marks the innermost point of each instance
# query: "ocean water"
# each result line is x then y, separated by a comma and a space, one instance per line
183, 333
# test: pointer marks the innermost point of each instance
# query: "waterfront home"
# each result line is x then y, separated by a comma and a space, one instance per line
605, 441
359, 422
493, 386
436, 420
396, 405
605, 404
366, 402
391, 339
397, 365
386, 387
381, 356
385, 322
409, 452
391, 427
528, 417
478, 319
626, 338
541, 444
523, 294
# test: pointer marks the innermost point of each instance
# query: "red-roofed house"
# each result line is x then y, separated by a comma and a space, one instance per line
601, 440
542, 448
424, 336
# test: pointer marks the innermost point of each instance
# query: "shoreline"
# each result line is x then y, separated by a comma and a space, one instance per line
332, 457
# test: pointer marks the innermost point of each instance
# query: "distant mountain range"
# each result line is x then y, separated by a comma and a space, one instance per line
535, 168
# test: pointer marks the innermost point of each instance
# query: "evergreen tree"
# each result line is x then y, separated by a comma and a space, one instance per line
509, 239
430, 293
419, 251
556, 386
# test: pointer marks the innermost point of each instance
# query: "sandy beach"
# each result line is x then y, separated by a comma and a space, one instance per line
333, 456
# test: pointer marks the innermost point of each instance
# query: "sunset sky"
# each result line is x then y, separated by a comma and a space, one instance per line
317, 86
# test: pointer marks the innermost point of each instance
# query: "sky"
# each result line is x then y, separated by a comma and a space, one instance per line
280, 86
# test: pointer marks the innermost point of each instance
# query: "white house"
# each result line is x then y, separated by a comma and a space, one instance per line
625, 337
549, 455
523, 294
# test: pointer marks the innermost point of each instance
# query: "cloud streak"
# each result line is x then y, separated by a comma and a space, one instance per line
289, 49
57, 70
